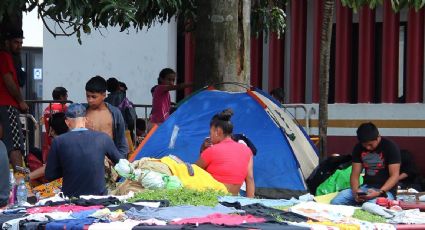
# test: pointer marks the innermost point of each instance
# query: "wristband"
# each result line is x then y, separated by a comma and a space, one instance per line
382, 193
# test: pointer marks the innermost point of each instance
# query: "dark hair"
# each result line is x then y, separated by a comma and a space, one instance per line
96, 85
367, 132
141, 124
58, 92
112, 84
57, 123
153, 88
122, 84
279, 94
222, 120
164, 72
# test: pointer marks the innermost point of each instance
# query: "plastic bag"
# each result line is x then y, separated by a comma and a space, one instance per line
338, 181
151, 180
126, 170
172, 182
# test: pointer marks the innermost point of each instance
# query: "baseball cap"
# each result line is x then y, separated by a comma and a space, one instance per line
13, 33
75, 110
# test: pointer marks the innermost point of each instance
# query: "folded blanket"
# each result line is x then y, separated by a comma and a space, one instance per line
201, 179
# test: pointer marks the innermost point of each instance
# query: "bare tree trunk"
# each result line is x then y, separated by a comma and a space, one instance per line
222, 52
325, 53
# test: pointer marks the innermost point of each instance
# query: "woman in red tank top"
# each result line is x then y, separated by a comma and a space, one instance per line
229, 162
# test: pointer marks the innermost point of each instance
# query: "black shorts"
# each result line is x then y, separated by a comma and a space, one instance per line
13, 136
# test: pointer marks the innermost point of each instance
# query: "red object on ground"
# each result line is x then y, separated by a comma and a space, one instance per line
413, 205
404, 205
219, 218
382, 201
410, 226
62, 208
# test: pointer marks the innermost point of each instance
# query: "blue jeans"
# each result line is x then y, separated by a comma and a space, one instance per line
345, 197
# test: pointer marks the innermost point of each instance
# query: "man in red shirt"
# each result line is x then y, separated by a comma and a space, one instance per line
12, 102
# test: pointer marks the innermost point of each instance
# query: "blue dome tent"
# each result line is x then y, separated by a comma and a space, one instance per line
285, 156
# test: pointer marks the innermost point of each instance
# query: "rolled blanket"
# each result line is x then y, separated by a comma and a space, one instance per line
201, 179
376, 209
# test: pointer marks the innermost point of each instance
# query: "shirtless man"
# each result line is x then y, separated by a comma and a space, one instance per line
104, 117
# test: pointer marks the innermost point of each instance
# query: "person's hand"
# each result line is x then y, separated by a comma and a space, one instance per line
372, 194
359, 199
23, 107
206, 144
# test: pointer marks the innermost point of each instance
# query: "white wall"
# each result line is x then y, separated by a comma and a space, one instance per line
368, 112
134, 58
33, 29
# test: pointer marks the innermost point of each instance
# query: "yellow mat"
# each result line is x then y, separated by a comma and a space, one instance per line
325, 199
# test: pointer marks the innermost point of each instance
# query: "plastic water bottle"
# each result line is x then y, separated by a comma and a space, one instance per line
21, 193
12, 183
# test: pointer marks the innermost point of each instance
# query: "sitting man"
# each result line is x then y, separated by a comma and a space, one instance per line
37, 164
381, 160
410, 176
78, 156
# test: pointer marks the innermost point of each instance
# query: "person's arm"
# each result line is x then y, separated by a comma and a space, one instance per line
204, 159
392, 181
402, 176
121, 140
177, 86
111, 151
389, 184
354, 178
53, 169
249, 180
14, 90
201, 163
394, 161
37, 173
206, 144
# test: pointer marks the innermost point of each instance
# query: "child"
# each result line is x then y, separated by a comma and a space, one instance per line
161, 101
58, 94
140, 130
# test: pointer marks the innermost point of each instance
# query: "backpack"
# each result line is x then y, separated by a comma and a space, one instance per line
128, 112
241, 137
325, 169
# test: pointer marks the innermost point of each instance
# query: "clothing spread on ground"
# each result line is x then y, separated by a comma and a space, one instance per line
111, 213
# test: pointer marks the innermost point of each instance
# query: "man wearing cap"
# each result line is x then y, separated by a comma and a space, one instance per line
78, 156
380, 159
12, 102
